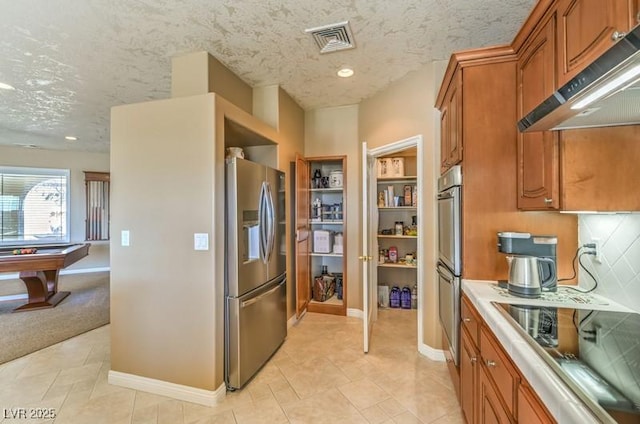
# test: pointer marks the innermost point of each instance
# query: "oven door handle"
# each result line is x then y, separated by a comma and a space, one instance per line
445, 195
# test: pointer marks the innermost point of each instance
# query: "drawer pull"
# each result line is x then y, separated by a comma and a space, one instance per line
548, 201
618, 35
491, 363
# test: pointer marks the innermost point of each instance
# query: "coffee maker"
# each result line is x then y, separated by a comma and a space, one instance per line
532, 262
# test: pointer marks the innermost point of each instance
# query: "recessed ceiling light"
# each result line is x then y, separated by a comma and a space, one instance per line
70, 138
5, 86
345, 72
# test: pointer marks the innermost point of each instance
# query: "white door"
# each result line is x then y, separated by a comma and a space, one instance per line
369, 291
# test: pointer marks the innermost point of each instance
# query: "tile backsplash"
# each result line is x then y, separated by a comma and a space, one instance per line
618, 274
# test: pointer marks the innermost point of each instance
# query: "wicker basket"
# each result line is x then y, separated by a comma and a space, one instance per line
324, 287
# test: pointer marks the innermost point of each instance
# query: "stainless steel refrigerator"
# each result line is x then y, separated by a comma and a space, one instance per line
255, 287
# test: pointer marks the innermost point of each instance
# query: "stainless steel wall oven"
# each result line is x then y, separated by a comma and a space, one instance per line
449, 256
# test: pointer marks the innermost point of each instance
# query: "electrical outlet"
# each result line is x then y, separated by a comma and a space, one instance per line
597, 250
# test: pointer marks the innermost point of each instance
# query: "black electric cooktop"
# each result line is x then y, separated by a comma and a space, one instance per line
596, 353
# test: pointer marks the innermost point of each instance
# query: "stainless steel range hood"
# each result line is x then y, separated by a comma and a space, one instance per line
605, 93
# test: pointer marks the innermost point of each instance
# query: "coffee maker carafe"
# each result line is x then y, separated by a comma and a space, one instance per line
532, 263
525, 276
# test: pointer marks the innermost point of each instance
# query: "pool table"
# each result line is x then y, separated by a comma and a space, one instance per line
39, 271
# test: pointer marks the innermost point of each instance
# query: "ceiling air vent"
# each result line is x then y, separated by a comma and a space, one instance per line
332, 38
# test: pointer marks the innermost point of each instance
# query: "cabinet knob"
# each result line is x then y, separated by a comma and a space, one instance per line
548, 201
466, 319
490, 363
474, 360
365, 258
618, 35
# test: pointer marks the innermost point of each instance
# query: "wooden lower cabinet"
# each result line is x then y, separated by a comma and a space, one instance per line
490, 408
492, 390
468, 378
499, 368
529, 408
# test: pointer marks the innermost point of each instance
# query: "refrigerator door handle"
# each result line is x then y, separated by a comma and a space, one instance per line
262, 222
272, 224
265, 294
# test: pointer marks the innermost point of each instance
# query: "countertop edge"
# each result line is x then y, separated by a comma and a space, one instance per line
559, 400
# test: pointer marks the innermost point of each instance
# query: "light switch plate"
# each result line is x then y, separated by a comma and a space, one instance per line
201, 241
124, 237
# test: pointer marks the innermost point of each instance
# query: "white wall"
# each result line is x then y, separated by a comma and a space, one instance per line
619, 273
77, 162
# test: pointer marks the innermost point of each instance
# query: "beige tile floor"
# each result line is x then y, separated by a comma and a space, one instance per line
319, 375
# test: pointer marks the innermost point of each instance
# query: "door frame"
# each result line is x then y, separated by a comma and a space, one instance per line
394, 147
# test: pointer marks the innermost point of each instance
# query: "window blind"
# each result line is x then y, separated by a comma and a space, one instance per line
34, 205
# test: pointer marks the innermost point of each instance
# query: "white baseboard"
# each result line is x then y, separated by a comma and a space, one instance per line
14, 275
292, 321
431, 353
356, 313
14, 297
164, 388
84, 270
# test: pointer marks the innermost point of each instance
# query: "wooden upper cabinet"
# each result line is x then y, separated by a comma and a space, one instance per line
586, 29
538, 178
451, 124
444, 137
598, 168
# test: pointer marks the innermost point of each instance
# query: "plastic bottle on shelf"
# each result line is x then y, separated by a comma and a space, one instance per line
405, 298
414, 297
317, 179
393, 254
394, 297
317, 209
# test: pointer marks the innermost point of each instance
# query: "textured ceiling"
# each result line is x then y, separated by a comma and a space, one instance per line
71, 60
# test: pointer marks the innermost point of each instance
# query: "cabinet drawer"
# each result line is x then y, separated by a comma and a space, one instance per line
499, 369
470, 320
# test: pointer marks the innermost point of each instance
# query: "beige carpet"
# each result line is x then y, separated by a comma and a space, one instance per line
86, 308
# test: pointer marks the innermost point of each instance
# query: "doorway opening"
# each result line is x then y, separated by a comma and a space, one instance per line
393, 270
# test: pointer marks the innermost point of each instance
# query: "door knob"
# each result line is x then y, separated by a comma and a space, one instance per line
491, 363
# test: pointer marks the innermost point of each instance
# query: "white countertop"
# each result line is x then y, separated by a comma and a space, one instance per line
559, 399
